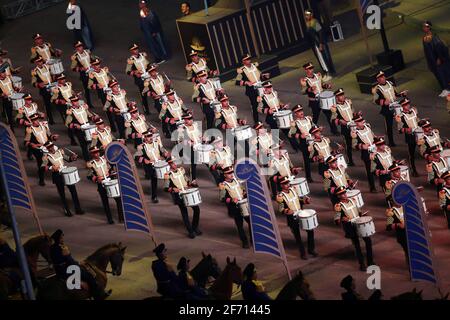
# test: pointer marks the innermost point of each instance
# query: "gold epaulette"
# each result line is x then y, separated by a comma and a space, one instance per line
279, 198
221, 186
442, 194
240, 70
389, 213
337, 207
29, 130
353, 135
398, 118
129, 61
429, 167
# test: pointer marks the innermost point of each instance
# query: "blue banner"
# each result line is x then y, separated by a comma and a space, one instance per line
135, 211
417, 233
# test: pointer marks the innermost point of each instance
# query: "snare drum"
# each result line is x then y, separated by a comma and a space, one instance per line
88, 129
70, 175
242, 133
259, 88
418, 132
163, 99
216, 83
55, 66
327, 99
351, 126
396, 107
300, 185
216, 106
17, 82
203, 152
404, 173
161, 168
126, 116
112, 188
307, 218
243, 207
340, 159
365, 226
283, 118
191, 197
446, 156
17, 100
356, 196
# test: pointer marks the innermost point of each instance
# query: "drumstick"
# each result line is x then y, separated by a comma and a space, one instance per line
364, 213
355, 183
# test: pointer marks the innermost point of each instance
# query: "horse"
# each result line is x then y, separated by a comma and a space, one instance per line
297, 287
38, 245
415, 295
96, 264
222, 288
207, 267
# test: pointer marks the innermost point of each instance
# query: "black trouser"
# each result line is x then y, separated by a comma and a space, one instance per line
102, 96
140, 84
157, 105
37, 153
358, 251
235, 212
216, 175
209, 114
447, 215
411, 141
348, 143
151, 174
58, 180
270, 120
389, 123
401, 239
275, 185
104, 197
294, 225
252, 95
82, 142
190, 227
87, 93
46, 97
322, 167
368, 163
120, 122
8, 112
315, 108
62, 108
306, 159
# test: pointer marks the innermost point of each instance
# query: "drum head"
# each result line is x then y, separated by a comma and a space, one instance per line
446, 153
160, 164
306, 213
364, 219
16, 96
326, 94
352, 193
16, 78
297, 181
205, 147
282, 113
189, 191
69, 170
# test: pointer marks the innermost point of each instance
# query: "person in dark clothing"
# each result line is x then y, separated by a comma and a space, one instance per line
437, 56
164, 273
8, 257
152, 29
252, 289
187, 283
348, 283
62, 259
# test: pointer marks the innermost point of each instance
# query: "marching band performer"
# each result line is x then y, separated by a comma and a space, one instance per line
42, 79
206, 93
232, 194
150, 151
172, 111
320, 148
269, 103
334, 177
382, 159
394, 177
407, 124
395, 221
430, 139
7, 89
313, 84
53, 160
61, 94
116, 106
385, 94
29, 108
227, 117
444, 196
363, 140
262, 142
196, 65
101, 171
43, 49
299, 131
221, 158
436, 167
346, 211
288, 204
190, 133
282, 167
99, 78
77, 116
155, 86
102, 135
251, 77
81, 62
176, 181
6, 63
137, 125
36, 135
137, 65
342, 114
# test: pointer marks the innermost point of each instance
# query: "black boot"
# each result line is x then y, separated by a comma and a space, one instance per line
67, 213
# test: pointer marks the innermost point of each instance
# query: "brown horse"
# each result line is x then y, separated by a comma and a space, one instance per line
38, 245
297, 287
96, 263
206, 268
222, 289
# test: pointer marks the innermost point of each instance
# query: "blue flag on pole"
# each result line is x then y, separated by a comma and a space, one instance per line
420, 254
16, 178
135, 210
365, 4
265, 233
